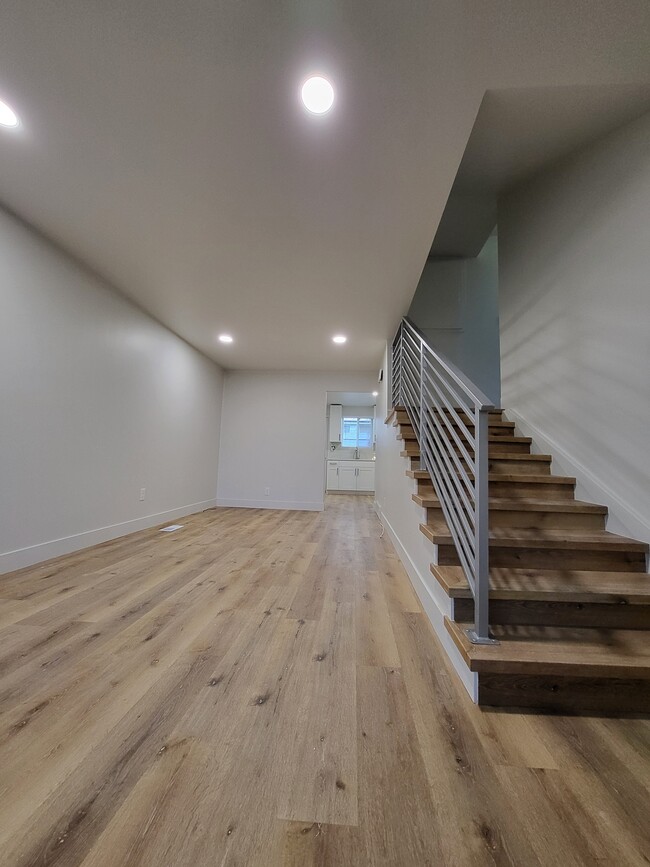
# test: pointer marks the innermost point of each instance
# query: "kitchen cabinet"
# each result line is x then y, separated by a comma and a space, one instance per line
351, 476
347, 476
336, 419
332, 475
366, 478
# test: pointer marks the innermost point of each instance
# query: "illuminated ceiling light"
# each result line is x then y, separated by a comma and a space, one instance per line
339, 338
225, 338
8, 116
317, 95
375, 394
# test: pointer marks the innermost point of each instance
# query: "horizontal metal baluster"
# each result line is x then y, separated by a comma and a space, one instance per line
455, 486
455, 467
449, 415
464, 549
452, 431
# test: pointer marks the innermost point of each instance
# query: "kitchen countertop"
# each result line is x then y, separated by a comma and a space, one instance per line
352, 460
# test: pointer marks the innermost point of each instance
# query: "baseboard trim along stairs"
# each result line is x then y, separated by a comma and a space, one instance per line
569, 601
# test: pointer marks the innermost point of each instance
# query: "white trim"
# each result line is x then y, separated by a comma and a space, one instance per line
22, 557
293, 505
436, 617
622, 519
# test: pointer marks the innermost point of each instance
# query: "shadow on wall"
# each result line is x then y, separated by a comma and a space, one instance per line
574, 258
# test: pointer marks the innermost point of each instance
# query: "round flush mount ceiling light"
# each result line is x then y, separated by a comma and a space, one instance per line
375, 394
225, 338
339, 338
317, 95
8, 116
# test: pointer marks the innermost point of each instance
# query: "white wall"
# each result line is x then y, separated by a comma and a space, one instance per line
97, 401
574, 263
456, 305
273, 435
401, 518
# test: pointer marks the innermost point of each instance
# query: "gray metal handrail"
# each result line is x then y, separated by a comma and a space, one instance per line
450, 416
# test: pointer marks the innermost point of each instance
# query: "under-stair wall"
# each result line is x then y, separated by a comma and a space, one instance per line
401, 517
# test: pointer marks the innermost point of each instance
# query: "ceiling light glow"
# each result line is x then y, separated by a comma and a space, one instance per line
339, 338
8, 116
225, 338
317, 95
375, 394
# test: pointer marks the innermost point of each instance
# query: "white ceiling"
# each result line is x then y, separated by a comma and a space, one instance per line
163, 144
351, 398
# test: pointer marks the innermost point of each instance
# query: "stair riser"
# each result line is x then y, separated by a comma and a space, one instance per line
536, 520
493, 430
536, 613
553, 558
534, 490
500, 448
606, 695
514, 467
494, 449
519, 468
496, 415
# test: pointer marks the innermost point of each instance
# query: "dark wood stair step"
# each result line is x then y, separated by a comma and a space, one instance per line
548, 548
496, 445
560, 668
557, 597
493, 424
529, 513
512, 485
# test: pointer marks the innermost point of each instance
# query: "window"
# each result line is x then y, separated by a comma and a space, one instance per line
357, 433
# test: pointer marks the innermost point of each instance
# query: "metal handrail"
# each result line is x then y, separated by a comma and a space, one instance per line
450, 417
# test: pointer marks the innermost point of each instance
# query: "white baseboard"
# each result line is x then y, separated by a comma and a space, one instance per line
436, 616
292, 505
22, 557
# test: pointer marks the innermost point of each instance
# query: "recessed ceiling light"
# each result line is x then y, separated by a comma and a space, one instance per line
339, 338
375, 394
8, 116
317, 95
225, 338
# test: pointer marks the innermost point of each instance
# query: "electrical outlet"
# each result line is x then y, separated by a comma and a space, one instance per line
143, 491
267, 492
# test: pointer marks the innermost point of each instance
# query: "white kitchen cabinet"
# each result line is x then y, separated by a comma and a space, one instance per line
332, 475
347, 476
366, 478
336, 419
350, 476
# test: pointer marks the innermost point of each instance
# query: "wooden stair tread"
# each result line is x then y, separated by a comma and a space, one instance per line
494, 423
565, 585
507, 477
518, 456
515, 537
557, 650
526, 504
392, 412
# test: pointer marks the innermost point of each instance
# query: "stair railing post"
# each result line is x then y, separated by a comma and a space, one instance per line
480, 634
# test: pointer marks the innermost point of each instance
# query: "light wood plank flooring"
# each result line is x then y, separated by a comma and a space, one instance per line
263, 688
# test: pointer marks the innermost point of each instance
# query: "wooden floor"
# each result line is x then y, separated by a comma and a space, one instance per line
263, 688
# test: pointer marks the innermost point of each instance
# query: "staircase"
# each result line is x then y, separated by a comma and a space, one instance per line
569, 602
